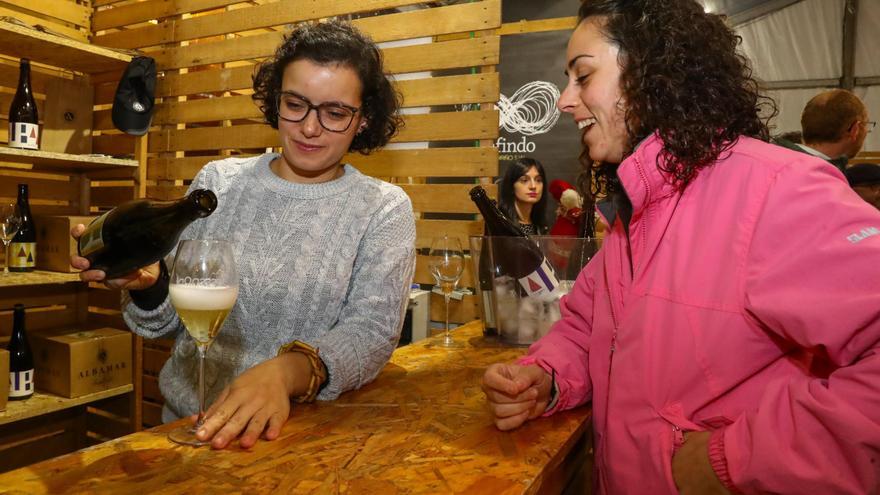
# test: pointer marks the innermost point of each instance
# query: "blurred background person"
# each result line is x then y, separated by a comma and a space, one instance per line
521, 195
834, 125
864, 178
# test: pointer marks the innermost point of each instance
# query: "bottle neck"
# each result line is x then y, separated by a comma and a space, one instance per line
18, 321
22, 193
24, 75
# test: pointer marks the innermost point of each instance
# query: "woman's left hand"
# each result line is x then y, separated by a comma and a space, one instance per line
256, 403
691, 469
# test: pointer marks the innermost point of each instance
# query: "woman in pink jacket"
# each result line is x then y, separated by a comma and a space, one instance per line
727, 332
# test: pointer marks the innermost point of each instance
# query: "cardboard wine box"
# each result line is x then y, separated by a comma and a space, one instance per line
4, 378
72, 363
54, 244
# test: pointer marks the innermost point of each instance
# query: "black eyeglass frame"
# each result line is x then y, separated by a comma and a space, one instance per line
317, 108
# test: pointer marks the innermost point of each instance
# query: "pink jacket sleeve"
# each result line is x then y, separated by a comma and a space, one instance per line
566, 347
812, 277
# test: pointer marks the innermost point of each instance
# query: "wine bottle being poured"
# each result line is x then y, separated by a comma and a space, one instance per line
141, 232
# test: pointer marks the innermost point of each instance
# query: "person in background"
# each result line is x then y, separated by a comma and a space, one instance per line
729, 266
793, 137
864, 178
834, 125
325, 254
521, 195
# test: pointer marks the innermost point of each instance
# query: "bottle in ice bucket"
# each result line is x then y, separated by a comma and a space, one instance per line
518, 256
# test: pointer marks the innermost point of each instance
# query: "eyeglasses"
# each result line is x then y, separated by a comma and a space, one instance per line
869, 125
335, 117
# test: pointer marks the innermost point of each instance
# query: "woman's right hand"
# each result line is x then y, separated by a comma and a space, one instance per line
516, 393
142, 278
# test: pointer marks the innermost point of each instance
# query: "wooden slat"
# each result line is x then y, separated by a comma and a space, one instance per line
38, 188
152, 414
428, 162
426, 230
36, 439
538, 26
428, 22
62, 161
445, 126
18, 41
80, 35
110, 196
442, 198
107, 427
104, 298
154, 360
151, 389
153, 9
43, 403
59, 10
258, 16
263, 45
431, 56
113, 144
450, 90
40, 77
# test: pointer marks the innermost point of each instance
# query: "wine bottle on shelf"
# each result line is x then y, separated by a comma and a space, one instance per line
23, 248
515, 254
141, 232
21, 361
24, 126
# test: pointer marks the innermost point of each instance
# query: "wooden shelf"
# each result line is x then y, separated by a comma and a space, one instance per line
62, 161
43, 403
36, 277
59, 51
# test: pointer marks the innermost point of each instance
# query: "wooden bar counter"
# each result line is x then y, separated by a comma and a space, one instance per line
421, 427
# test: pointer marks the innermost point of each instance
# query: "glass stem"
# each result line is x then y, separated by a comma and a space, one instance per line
5, 258
202, 350
446, 296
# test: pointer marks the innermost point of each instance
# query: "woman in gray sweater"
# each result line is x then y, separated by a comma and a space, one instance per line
325, 254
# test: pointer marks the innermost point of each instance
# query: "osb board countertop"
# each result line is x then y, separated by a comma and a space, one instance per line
421, 427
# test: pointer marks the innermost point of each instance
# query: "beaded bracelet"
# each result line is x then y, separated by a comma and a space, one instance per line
319, 371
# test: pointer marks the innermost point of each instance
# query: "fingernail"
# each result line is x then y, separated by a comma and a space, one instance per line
201, 433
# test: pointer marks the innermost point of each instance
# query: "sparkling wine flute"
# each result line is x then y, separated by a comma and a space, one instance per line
446, 263
203, 290
10, 222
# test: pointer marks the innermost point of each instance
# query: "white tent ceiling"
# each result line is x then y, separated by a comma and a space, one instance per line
797, 50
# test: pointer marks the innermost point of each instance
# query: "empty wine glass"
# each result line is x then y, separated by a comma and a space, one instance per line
203, 290
10, 222
446, 261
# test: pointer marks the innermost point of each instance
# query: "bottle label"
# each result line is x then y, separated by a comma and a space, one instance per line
22, 254
92, 239
541, 282
24, 135
21, 383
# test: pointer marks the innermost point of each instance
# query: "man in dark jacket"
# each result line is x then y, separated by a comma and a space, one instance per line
834, 124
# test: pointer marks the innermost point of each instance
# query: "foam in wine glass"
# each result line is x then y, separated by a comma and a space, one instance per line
202, 309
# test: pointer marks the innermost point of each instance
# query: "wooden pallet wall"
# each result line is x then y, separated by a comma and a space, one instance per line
207, 49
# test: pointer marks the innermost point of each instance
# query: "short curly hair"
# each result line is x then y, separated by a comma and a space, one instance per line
682, 78
327, 43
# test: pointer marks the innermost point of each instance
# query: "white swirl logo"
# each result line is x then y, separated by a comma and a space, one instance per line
531, 110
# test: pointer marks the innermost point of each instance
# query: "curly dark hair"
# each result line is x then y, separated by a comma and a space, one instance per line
328, 43
681, 77
507, 198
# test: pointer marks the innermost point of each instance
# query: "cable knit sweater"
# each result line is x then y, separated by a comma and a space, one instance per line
329, 264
